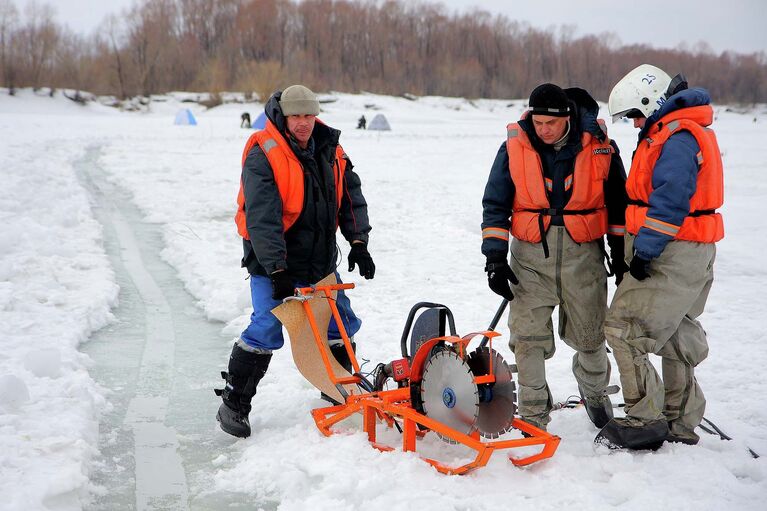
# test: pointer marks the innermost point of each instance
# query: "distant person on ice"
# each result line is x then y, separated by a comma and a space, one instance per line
245, 120
289, 235
558, 187
361, 123
675, 187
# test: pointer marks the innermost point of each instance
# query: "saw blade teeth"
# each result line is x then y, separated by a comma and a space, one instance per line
497, 414
448, 392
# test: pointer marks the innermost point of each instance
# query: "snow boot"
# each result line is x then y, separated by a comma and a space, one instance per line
679, 434
339, 352
246, 368
598, 408
528, 435
629, 433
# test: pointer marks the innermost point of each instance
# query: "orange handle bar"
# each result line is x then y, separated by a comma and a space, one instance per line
315, 289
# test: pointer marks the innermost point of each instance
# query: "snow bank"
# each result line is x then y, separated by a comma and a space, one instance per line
56, 287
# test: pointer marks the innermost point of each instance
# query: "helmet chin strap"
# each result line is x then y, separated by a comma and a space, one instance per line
677, 84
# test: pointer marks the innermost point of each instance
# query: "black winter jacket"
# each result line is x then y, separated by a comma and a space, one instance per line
307, 251
557, 166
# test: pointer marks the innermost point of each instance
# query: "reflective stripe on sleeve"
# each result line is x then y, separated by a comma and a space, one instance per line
568, 182
495, 232
700, 158
661, 226
549, 184
616, 230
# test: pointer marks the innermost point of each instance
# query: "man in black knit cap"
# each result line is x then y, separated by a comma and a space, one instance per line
557, 186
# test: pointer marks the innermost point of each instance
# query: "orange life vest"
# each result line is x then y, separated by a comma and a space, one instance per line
585, 215
703, 224
288, 175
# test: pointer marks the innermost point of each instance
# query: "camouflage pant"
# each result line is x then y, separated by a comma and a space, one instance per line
574, 279
658, 315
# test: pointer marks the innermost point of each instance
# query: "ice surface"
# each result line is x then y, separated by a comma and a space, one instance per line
44, 363
423, 182
13, 393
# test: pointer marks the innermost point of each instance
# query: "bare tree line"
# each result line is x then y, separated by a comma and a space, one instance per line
388, 47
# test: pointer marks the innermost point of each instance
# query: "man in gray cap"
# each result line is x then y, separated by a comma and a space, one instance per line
556, 186
298, 186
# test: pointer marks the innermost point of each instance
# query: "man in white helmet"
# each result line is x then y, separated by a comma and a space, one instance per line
675, 187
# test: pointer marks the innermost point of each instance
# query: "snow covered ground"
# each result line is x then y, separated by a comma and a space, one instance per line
424, 183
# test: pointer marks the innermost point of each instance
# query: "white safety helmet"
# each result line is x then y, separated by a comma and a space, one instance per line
643, 89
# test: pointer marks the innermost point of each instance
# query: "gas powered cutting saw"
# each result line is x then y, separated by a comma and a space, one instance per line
465, 397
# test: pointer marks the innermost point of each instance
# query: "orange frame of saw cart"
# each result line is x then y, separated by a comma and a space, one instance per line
387, 405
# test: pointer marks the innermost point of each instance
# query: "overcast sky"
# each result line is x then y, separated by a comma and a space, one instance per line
737, 25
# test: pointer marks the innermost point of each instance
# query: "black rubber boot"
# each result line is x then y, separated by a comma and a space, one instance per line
681, 435
599, 409
339, 352
629, 433
245, 371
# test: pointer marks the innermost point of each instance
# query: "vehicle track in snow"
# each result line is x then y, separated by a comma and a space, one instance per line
159, 444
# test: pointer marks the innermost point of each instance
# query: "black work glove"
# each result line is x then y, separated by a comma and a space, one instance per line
640, 268
360, 256
617, 257
499, 275
282, 285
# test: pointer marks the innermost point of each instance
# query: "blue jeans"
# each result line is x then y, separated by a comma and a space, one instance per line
265, 330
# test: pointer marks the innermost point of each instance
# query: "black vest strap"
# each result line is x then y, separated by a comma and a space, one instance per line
700, 212
635, 202
554, 212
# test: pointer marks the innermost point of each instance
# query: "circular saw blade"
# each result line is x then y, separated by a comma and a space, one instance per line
496, 413
448, 392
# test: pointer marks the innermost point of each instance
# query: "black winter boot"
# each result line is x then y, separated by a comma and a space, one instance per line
630, 433
681, 435
246, 369
599, 408
339, 352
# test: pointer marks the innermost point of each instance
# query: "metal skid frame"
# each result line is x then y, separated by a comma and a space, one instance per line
386, 405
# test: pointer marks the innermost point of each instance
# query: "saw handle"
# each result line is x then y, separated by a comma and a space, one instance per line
411, 317
495, 321
304, 291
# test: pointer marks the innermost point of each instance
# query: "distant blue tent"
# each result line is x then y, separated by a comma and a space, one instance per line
260, 123
184, 117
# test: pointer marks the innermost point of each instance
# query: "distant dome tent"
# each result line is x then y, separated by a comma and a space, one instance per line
184, 117
260, 123
379, 123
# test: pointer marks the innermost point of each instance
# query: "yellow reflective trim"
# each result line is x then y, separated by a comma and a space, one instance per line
660, 226
616, 230
495, 232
